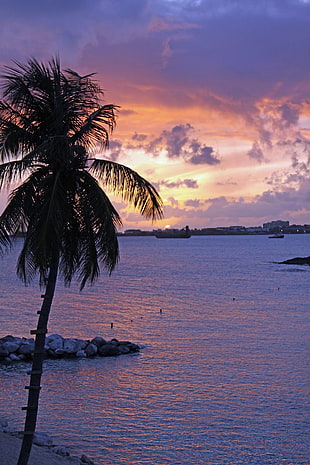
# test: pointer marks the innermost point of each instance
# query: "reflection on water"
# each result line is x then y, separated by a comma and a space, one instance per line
222, 375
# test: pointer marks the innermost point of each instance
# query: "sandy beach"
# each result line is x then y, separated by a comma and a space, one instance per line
10, 447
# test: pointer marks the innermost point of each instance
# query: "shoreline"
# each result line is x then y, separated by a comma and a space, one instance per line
10, 445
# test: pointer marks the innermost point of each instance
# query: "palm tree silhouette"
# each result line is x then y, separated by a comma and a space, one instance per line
51, 122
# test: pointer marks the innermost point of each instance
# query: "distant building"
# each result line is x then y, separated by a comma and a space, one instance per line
236, 228
255, 229
276, 225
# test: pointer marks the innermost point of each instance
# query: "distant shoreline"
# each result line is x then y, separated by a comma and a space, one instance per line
212, 233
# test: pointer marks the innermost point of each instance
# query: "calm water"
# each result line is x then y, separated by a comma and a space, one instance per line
223, 377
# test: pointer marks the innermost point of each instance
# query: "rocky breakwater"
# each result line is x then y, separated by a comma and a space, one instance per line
14, 348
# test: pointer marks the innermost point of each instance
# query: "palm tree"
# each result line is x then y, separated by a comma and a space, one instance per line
51, 122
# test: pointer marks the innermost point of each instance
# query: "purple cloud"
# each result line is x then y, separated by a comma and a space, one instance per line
178, 144
256, 153
202, 154
189, 183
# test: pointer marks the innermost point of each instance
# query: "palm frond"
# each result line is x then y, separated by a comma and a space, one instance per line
96, 127
95, 222
132, 187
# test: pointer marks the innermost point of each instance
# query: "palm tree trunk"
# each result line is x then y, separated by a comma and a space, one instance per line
37, 362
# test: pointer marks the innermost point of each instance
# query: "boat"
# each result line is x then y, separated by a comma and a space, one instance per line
276, 236
183, 233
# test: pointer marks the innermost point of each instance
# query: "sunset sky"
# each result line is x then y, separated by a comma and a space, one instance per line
214, 97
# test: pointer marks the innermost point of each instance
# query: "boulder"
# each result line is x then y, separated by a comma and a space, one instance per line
5, 428
86, 460
81, 353
124, 349
8, 338
108, 350
3, 352
26, 347
42, 439
98, 341
12, 346
91, 349
54, 342
72, 346
60, 450
59, 352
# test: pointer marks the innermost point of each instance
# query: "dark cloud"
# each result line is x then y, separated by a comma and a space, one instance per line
256, 153
202, 154
190, 183
289, 114
176, 139
178, 143
125, 112
139, 137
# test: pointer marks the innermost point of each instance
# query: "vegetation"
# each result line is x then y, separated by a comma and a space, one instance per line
51, 124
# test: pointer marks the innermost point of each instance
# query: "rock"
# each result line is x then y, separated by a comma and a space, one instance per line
8, 338
60, 352
26, 347
73, 460
108, 350
134, 347
3, 424
54, 342
123, 349
5, 428
98, 341
296, 261
14, 357
81, 353
3, 352
12, 346
85, 459
91, 349
72, 346
60, 450
42, 439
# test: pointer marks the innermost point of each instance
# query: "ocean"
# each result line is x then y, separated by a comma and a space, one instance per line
223, 373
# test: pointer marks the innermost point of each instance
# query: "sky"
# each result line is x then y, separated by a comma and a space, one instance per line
214, 97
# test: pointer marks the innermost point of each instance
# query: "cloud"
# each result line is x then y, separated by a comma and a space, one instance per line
290, 203
115, 149
256, 153
196, 203
202, 154
139, 137
178, 143
278, 129
176, 139
189, 183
